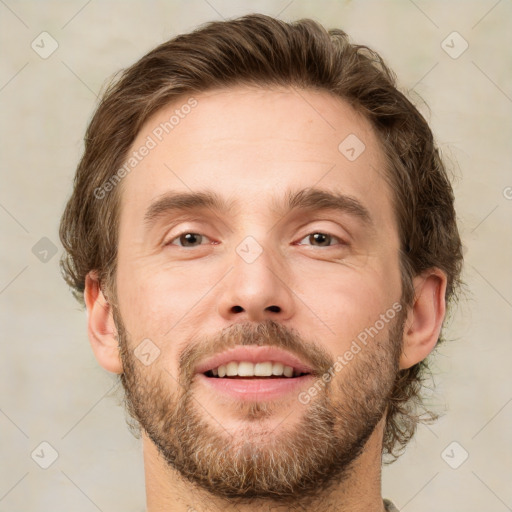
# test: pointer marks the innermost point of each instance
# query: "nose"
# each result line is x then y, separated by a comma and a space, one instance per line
256, 290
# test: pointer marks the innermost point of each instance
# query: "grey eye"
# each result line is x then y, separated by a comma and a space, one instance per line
188, 239
321, 239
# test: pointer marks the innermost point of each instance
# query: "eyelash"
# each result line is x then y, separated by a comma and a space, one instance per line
177, 237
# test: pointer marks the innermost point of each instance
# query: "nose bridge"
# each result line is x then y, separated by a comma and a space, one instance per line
256, 288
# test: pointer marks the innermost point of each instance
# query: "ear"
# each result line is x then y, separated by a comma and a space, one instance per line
101, 326
425, 317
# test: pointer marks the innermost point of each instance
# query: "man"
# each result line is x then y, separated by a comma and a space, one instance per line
264, 236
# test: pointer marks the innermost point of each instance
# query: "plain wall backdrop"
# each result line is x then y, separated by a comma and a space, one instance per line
52, 389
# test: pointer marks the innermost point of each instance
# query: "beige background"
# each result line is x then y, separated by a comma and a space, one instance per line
51, 386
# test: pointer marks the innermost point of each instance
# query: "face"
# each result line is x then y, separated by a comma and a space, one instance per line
259, 332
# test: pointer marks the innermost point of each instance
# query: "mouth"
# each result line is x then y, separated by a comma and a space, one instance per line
254, 373
249, 370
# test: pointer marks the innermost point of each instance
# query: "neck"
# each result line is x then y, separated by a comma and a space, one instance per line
167, 491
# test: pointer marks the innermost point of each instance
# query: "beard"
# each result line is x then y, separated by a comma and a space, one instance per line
281, 465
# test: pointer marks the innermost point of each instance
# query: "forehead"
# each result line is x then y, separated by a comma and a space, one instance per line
250, 143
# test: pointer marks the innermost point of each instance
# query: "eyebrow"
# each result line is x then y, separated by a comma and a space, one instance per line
309, 199
175, 202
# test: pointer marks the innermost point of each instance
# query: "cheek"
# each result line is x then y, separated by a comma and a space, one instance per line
157, 299
349, 299
152, 303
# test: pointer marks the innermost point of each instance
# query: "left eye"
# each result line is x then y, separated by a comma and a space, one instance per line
323, 239
188, 239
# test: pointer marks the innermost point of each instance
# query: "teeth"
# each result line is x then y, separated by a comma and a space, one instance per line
247, 369
263, 369
277, 369
288, 371
232, 369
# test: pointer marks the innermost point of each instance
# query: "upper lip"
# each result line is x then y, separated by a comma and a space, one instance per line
253, 354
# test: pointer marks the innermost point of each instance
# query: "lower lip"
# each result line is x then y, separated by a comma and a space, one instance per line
256, 389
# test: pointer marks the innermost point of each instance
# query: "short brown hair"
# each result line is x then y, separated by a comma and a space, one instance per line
263, 51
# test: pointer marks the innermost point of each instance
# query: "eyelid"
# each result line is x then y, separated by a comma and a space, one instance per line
185, 232
319, 222
311, 227
190, 227
341, 240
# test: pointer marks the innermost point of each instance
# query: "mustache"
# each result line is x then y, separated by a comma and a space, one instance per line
265, 333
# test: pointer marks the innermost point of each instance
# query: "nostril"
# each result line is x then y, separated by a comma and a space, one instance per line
239, 309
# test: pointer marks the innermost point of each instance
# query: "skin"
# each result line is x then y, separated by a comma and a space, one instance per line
251, 145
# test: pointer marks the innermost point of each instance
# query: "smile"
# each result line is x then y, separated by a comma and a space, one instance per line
269, 369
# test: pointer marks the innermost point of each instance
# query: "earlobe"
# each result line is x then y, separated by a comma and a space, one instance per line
101, 327
425, 317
